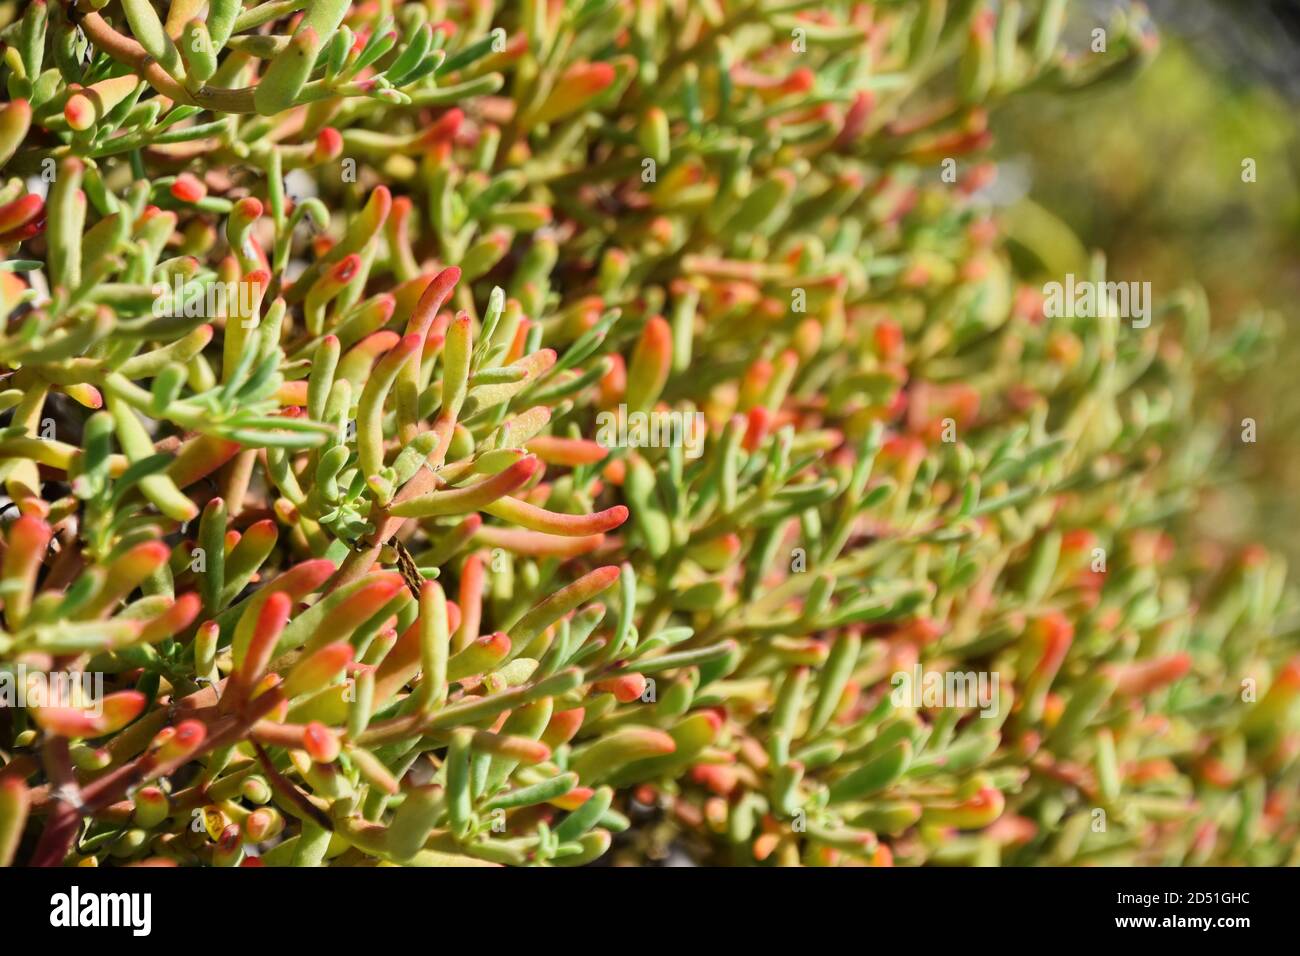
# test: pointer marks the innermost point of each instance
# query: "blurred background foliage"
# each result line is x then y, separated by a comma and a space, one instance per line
1150, 173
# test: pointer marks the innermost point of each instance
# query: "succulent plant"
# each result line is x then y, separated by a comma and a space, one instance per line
317, 319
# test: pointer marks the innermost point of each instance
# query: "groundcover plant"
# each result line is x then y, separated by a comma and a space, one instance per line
545, 432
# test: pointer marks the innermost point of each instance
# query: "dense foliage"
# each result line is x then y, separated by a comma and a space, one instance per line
463, 432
